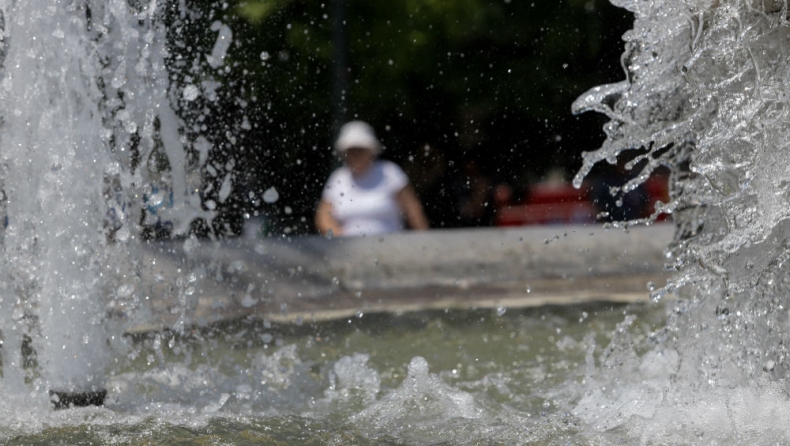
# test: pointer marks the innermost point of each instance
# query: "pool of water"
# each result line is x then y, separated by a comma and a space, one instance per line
502, 376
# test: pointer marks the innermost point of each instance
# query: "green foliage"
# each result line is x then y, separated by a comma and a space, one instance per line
256, 11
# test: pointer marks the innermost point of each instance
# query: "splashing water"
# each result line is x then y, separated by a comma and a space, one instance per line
706, 96
88, 107
83, 114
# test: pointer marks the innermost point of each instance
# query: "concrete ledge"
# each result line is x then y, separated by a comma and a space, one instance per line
315, 278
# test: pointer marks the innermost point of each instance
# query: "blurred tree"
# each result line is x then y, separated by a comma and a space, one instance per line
442, 81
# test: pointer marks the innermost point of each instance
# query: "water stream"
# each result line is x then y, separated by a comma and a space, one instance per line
706, 96
88, 102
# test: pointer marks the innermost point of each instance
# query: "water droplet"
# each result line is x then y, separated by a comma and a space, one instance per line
248, 301
500, 311
271, 195
156, 199
123, 235
191, 93
125, 290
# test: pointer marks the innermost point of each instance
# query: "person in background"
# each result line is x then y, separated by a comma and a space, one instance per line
474, 196
366, 196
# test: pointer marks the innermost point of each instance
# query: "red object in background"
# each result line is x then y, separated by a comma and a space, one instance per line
563, 204
658, 190
549, 204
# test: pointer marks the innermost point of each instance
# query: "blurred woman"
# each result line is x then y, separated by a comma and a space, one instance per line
367, 196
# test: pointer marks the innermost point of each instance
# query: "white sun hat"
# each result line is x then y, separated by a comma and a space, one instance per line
357, 134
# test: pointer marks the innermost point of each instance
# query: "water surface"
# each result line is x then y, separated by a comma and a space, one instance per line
501, 376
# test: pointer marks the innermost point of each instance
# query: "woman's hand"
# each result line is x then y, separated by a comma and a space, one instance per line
325, 223
412, 208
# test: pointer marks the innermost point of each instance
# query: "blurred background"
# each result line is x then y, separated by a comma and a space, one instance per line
470, 97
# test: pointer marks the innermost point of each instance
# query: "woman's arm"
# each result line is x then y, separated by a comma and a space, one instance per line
324, 221
412, 208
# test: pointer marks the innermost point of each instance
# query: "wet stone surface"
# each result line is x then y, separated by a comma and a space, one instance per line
315, 278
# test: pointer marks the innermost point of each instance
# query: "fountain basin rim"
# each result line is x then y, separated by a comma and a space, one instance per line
313, 278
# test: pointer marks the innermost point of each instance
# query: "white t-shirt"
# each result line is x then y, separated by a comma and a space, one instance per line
367, 205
